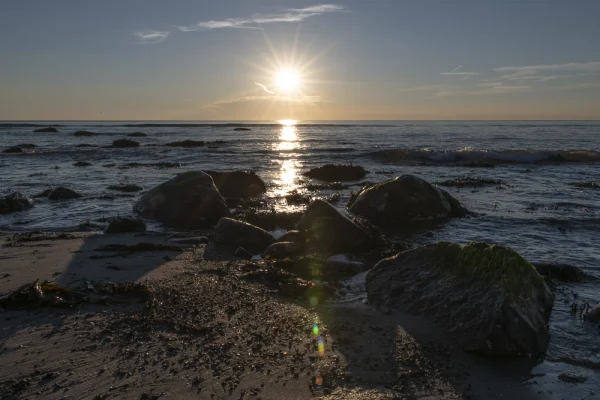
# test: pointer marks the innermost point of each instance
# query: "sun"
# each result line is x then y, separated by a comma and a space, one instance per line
287, 80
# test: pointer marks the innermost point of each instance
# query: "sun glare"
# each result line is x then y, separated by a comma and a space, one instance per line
287, 80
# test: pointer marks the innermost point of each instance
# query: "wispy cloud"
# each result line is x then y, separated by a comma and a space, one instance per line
253, 22
264, 87
152, 36
491, 84
535, 72
459, 73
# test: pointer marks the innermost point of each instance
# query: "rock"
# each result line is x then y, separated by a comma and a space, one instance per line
27, 146
127, 187
315, 268
571, 378
487, 296
270, 220
241, 129
15, 202
121, 143
586, 185
189, 200
406, 198
137, 134
236, 233
292, 236
243, 254
84, 133
294, 197
13, 149
186, 143
190, 240
280, 250
48, 129
471, 182
238, 184
59, 193
327, 229
343, 261
81, 164
593, 315
337, 172
126, 224
562, 272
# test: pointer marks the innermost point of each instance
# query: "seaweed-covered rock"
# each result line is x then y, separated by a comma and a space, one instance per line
186, 143
137, 134
238, 184
337, 172
327, 229
15, 202
125, 225
48, 129
84, 133
61, 193
232, 232
189, 200
487, 296
13, 149
123, 143
406, 198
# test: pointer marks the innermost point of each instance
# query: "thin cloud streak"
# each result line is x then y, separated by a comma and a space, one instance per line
152, 36
460, 73
264, 87
253, 22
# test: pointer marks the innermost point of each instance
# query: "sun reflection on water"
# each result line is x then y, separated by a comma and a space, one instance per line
288, 142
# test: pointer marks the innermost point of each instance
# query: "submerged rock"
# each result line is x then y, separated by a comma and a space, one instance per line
13, 149
471, 182
48, 129
270, 220
15, 202
84, 133
186, 143
62, 193
126, 187
189, 200
81, 164
238, 184
241, 129
406, 198
562, 272
487, 296
125, 225
337, 172
137, 134
586, 185
236, 233
27, 146
327, 229
122, 143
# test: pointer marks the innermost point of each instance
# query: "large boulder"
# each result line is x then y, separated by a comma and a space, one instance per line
337, 172
238, 184
15, 202
232, 232
48, 129
189, 200
327, 229
487, 296
406, 198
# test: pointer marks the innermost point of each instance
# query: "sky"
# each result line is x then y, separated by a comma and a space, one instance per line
340, 60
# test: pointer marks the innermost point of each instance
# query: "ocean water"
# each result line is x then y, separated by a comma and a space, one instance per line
538, 211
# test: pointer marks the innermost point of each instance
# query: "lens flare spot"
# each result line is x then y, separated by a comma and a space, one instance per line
313, 301
318, 381
315, 330
321, 346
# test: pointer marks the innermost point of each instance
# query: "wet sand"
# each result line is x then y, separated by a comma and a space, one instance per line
207, 326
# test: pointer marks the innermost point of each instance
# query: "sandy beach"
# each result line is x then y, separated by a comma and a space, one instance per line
200, 324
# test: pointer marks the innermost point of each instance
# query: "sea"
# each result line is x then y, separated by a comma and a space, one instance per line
546, 207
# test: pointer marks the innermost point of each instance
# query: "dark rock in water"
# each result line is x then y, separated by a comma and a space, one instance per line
186, 143
471, 182
270, 220
294, 197
59, 193
86, 145
242, 254
126, 224
84, 133
27, 146
48, 129
327, 229
238, 184
326, 186
477, 164
13, 149
128, 187
556, 158
280, 250
15, 202
137, 134
292, 236
189, 200
236, 233
121, 143
586, 185
562, 272
241, 129
191, 240
593, 314
406, 198
487, 296
81, 164
337, 172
